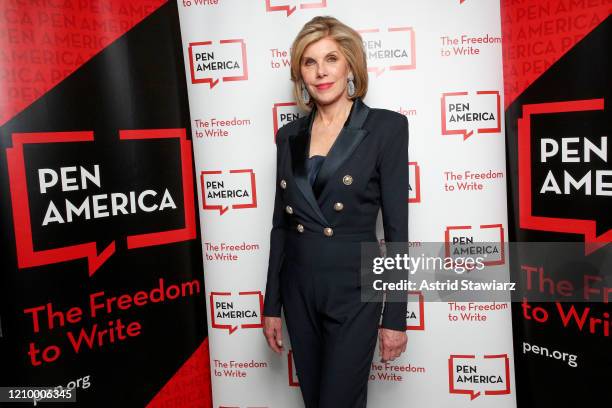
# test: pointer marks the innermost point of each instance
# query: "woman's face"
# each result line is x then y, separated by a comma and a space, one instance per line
325, 71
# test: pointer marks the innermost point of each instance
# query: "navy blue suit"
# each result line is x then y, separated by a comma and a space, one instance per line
315, 247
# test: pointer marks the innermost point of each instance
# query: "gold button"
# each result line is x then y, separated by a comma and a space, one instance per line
328, 232
347, 180
300, 228
283, 184
338, 206
288, 209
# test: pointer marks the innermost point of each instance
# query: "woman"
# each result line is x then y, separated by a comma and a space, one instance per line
335, 169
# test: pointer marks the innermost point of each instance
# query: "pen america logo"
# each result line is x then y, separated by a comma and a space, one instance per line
415, 316
291, 371
485, 241
464, 113
414, 183
291, 6
212, 62
565, 180
234, 189
230, 311
70, 195
283, 113
476, 376
391, 49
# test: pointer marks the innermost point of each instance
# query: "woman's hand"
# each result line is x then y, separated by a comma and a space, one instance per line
272, 331
391, 343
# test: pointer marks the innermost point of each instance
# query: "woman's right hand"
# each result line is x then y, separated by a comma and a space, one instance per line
273, 332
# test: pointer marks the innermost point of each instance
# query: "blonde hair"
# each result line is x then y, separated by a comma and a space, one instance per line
350, 44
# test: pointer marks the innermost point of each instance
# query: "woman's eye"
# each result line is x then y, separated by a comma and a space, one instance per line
332, 59
309, 62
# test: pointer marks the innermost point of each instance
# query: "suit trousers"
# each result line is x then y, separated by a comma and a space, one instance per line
333, 332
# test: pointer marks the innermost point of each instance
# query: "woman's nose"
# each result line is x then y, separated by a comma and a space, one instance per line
321, 70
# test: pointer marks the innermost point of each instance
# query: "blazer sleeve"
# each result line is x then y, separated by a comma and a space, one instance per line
272, 300
394, 206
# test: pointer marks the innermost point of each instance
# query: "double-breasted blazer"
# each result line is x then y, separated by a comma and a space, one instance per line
321, 226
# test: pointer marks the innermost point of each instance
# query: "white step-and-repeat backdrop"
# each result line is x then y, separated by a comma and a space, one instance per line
437, 62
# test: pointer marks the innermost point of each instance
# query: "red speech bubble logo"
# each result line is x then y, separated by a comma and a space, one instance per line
403, 38
202, 55
485, 228
283, 113
446, 130
420, 312
414, 172
291, 371
27, 257
289, 8
219, 322
221, 204
454, 387
527, 220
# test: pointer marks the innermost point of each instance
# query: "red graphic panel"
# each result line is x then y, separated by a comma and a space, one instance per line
41, 43
190, 385
537, 33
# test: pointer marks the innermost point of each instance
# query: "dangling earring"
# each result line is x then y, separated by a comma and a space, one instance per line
350, 86
305, 94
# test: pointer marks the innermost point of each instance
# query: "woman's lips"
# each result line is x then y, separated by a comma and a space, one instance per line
322, 87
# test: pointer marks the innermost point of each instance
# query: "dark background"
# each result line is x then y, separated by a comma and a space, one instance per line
138, 82
582, 73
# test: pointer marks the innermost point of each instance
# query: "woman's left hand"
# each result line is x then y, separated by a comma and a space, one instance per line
391, 344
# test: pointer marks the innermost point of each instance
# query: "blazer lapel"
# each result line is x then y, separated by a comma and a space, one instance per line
299, 144
351, 135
